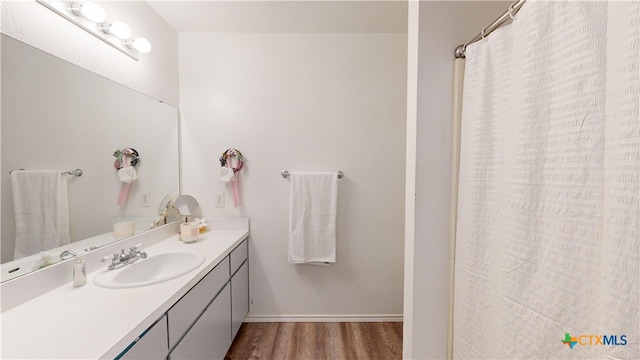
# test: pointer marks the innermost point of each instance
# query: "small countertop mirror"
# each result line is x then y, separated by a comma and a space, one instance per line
165, 212
185, 205
163, 209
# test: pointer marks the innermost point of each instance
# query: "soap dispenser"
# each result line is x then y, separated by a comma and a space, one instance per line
79, 271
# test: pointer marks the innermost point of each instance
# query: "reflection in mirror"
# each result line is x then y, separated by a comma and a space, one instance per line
163, 209
164, 212
58, 116
186, 205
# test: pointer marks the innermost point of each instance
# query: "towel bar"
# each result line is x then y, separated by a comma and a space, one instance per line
76, 172
286, 173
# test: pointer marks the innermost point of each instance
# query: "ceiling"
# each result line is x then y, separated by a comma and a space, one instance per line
300, 16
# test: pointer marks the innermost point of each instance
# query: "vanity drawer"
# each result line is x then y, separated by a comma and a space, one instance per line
187, 310
239, 255
151, 344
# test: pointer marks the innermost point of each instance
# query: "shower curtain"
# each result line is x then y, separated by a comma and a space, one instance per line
547, 259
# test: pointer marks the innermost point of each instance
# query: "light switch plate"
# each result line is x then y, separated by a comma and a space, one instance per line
146, 199
219, 199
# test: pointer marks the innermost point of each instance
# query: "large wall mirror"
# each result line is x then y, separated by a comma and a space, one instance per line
58, 116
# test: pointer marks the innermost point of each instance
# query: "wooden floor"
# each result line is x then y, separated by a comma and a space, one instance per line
318, 341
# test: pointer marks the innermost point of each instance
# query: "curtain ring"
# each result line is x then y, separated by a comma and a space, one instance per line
482, 32
511, 15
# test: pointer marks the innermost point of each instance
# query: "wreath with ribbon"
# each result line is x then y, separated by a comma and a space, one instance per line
126, 160
124, 155
231, 162
229, 157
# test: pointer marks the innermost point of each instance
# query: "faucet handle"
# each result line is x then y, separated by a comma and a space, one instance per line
134, 251
115, 256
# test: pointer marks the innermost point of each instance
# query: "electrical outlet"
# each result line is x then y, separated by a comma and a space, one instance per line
146, 200
220, 199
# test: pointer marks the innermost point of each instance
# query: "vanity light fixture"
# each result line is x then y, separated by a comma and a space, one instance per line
92, 11
118, 29
141, 44
92, 18
58, 5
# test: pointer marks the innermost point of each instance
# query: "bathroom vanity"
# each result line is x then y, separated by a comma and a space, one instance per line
194, 315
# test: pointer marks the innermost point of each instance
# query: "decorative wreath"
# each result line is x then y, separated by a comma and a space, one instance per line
228, 157
126, 160
231, 162
123, 155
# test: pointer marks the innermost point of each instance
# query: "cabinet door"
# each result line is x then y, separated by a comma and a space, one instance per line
210, 336
185, 312
239, 255
239, 298
153, 343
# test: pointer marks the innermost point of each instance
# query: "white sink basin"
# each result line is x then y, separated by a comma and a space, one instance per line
152, 270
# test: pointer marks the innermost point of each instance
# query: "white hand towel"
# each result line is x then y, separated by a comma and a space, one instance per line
127, 174
312, 218
41, 211
226, 175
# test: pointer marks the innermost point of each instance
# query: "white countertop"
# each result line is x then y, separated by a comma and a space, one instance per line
91, 322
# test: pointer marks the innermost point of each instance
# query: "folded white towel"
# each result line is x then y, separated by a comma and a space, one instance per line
312, 218
226, 175
127, 174
41, 210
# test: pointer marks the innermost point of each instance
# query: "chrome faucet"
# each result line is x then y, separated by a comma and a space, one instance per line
122, 259
67, 254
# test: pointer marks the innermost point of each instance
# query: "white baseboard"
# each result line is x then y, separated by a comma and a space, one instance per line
323, 318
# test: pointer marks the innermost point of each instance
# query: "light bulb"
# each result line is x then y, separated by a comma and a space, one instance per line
90, 10
118, 29
58, 5
141, 44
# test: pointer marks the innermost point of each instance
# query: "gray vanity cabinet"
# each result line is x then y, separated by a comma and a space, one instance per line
203, 323
151, 345
239, 286
210, 336
240, 296
200, 322
187, 310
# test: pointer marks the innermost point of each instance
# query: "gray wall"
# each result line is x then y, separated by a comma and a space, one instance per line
443, 26
305, 102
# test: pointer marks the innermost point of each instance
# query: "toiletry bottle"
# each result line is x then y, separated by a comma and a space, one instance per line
79, 272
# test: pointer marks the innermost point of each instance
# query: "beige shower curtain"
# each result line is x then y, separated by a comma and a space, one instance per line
547, 251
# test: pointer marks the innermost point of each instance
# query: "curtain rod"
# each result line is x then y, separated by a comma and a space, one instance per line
460, 51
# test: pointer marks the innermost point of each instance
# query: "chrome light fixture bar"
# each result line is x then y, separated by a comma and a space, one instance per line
92, 18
